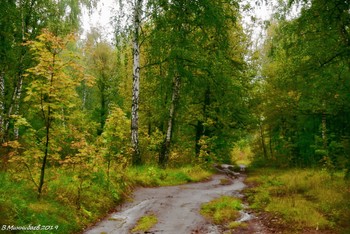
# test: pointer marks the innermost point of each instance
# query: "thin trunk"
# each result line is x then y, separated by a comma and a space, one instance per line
2, 103
200, 130
136, 159
103, 111
270, 144
13, 105
47, 141
165, 148
199, 134
48, 120
17, 99
324, 130
262, 138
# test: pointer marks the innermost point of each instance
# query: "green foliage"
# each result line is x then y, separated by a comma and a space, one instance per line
209, 62
302, 198
303, 110
115, 137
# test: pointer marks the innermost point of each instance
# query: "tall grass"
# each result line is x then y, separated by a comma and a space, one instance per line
303, 198
73, 200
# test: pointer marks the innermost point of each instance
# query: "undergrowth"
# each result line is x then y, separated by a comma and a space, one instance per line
302, 198
155, 176
72, 201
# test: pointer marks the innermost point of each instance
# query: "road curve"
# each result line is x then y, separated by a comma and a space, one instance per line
177, 208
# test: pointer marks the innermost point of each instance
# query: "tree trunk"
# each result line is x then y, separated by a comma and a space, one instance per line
103, 111
136, 159
324, 130
262, 138
165, 148
48, 119
199, 134
200, 130
43, 166
16, 103
2, 104
270, 144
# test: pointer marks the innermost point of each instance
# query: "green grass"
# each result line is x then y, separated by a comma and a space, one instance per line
74, 199
145, 223
303, 198
222, 211
149, 176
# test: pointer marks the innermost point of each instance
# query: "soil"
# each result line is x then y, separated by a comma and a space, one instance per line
177, 209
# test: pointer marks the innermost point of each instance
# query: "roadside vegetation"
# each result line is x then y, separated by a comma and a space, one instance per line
223, 211
301, 199
72, 201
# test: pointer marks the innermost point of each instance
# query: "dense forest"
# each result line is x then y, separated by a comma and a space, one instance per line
183, 83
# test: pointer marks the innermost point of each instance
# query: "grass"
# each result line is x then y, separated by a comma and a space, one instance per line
149, 176
145, 223
72, 200
223, 211
303, 198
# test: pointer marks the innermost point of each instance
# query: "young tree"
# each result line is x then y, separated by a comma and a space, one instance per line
51, 89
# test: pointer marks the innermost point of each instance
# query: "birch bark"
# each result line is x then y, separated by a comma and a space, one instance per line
136, 159
165, 149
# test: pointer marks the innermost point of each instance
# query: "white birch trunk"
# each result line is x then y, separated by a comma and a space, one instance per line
174, 98
136, 83
165, 150
17, 100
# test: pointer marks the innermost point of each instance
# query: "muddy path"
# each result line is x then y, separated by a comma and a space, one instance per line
177, 208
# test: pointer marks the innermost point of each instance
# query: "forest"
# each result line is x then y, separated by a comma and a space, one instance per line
183, 85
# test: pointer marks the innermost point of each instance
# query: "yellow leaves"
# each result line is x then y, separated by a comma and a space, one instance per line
294, 95
56, 75
20, 121
12, 144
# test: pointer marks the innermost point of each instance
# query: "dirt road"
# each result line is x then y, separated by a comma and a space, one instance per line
177, 208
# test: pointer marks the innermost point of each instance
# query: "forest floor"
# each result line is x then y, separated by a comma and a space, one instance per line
178, 209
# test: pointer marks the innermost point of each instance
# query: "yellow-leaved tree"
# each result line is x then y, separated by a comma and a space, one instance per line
52, 91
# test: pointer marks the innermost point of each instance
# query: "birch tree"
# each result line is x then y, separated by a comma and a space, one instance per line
137, 12
189, 40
